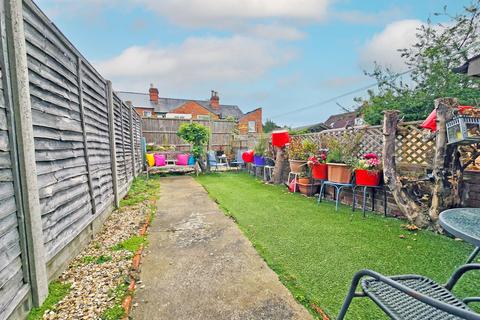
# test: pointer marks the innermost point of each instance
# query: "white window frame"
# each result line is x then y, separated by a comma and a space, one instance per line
203, 117
252, 126
147, 113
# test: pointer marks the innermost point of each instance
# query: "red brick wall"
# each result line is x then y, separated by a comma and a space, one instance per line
194, 109
256, 116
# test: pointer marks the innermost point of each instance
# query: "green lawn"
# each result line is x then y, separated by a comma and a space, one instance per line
316, 251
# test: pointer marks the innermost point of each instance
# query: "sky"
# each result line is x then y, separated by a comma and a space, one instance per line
281, 55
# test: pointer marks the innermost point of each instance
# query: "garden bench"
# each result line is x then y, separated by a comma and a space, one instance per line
413, 296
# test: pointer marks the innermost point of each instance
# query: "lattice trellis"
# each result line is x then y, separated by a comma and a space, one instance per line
411, 146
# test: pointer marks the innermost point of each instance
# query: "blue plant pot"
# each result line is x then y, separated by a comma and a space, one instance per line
258, 160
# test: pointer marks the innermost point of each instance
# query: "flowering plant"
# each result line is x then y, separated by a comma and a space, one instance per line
369, 161
314, 160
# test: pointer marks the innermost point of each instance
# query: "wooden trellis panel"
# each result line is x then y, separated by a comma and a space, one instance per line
412, 148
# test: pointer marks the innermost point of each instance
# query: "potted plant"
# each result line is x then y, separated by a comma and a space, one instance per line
298, 153
368, 170
318, 166
341, 152
305, 185
260, 151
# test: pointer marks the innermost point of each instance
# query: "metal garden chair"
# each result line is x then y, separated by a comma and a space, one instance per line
213, 161
413, 296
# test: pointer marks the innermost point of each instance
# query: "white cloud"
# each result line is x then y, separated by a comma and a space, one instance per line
383, 47
232, 12
362, 17
276, 32
196, 61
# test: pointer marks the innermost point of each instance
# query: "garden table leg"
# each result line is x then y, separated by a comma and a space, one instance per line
364, 204
385, 202
321, 193
473, 255
338, 191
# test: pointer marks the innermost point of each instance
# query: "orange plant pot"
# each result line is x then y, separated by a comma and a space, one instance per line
339, 173
297, 166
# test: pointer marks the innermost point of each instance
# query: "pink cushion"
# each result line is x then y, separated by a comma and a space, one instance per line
159, 160
182, 159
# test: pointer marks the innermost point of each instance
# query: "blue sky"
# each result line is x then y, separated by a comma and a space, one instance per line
277, 54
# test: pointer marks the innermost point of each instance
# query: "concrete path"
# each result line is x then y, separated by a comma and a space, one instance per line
200, 266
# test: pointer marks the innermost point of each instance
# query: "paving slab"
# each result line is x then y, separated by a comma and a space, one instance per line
199, 265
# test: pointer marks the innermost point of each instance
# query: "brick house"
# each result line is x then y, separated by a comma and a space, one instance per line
152, 105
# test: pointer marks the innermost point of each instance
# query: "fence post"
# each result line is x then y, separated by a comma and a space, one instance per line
132, 141
84, 129
21, 105
113, 147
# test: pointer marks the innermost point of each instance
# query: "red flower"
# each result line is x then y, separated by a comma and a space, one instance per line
370, 156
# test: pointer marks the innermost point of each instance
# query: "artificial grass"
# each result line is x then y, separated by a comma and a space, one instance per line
316, 250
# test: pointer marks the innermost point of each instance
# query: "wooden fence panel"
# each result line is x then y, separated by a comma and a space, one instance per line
59, 144
164, 132
98, 144
12, 272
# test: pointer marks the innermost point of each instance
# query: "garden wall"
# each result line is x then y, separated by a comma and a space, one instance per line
69, 149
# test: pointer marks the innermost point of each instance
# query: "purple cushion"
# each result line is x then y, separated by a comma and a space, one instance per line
159, 160
182, 159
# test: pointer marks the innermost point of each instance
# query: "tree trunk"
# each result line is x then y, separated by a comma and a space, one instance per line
414, 213
201, 164
446, 191
281, 163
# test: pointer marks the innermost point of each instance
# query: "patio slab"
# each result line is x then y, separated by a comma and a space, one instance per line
199, 265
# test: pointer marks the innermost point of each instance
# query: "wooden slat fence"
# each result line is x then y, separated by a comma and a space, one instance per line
77, 180
164, 132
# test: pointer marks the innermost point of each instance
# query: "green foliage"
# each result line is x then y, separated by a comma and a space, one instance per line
438, 49
132, 244
88, 259
343, 148
56, 292
269, 126
142, 189
301, 149
103, 259
316, 251
197, 135
116, 312
261, 147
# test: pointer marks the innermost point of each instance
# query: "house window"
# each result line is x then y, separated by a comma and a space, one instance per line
203, 117
147, 114
251, 126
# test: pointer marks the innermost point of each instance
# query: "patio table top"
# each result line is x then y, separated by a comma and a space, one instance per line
463, 223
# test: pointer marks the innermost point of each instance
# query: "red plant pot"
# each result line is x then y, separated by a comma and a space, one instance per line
280, 138
320, 171
368, 178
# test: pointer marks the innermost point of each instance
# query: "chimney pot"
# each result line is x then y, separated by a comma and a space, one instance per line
215, 100
153, 94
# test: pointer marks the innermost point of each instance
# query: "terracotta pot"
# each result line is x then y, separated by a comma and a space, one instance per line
304, 180
320, 171
297, 166
367, 177
339, 173
307, 188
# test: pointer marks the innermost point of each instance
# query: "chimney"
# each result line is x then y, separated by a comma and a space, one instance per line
153, 94
215, 100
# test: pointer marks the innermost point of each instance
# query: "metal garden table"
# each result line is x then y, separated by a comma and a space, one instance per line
338, 189
463, 223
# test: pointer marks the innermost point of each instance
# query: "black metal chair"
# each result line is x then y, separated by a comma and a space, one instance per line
413, 296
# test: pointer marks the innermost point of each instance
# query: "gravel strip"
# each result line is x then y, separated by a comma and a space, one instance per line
92, 282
